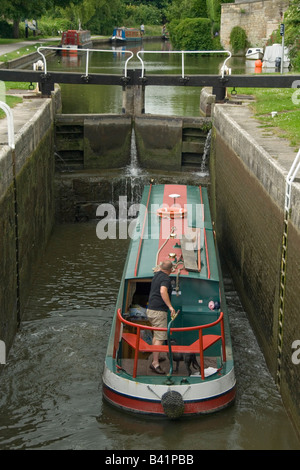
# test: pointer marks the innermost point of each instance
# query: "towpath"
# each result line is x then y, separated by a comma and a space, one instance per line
278, 148
7, 48
22, 113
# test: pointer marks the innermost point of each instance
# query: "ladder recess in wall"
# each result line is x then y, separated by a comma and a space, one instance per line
287, 207
193, 143
69, 146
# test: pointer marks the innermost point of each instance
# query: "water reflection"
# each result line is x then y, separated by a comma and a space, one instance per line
173, 100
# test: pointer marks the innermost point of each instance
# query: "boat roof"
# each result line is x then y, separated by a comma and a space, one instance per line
124, 28
174, 223
274, 51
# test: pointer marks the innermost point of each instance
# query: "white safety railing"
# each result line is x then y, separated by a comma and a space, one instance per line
290, 178
223, 68
10, 124
287, 206
87, 51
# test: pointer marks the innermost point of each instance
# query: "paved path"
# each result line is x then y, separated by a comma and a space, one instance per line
7, 48
25, 110
278, 148
22, 113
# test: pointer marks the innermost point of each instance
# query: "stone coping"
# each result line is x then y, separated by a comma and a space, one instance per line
267, 156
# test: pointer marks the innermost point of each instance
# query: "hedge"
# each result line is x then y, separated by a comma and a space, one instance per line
191, 34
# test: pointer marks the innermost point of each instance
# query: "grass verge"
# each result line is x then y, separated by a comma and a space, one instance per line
28, 49
285, 103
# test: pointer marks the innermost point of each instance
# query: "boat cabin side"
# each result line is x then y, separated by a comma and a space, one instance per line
185, 237
198, 302
123, 34
76, 38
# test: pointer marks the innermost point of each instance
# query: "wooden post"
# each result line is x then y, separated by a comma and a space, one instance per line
133, 102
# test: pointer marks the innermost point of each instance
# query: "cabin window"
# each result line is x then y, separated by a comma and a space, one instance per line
137, 295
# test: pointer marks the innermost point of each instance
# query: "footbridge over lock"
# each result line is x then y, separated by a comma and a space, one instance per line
134, 81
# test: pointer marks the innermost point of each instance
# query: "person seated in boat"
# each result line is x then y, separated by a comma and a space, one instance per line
158, 305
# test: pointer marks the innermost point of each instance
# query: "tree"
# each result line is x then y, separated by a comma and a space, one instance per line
160, 4
292, 24
104, 20
180, 9
191, 34
19, 10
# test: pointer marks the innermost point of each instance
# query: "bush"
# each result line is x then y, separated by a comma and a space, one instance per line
191, 34
238, 39
137, 14
104, 20
275, 38
296, 62
51, 26
292, 23
6, 30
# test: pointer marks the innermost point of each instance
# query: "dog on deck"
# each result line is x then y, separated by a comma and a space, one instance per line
189, 360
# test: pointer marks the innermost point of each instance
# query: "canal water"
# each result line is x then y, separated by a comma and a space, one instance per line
51, 388
173, 100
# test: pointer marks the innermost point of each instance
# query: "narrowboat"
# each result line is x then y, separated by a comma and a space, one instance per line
173, 223
273, 55
76, 39
123, 34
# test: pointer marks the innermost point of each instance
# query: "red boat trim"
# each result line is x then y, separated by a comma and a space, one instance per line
148, 406
137, 343
165, 246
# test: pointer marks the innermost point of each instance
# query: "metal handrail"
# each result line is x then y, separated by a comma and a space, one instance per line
120, 320
182, 58
173, 330
10, 124
290, 178
66, 48
287, 206
131, 54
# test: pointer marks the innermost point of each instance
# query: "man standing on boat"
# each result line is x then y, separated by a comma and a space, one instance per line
158, 305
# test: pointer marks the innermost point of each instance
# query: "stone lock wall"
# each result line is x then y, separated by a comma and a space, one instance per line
247, 195
31, 212
258, 18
